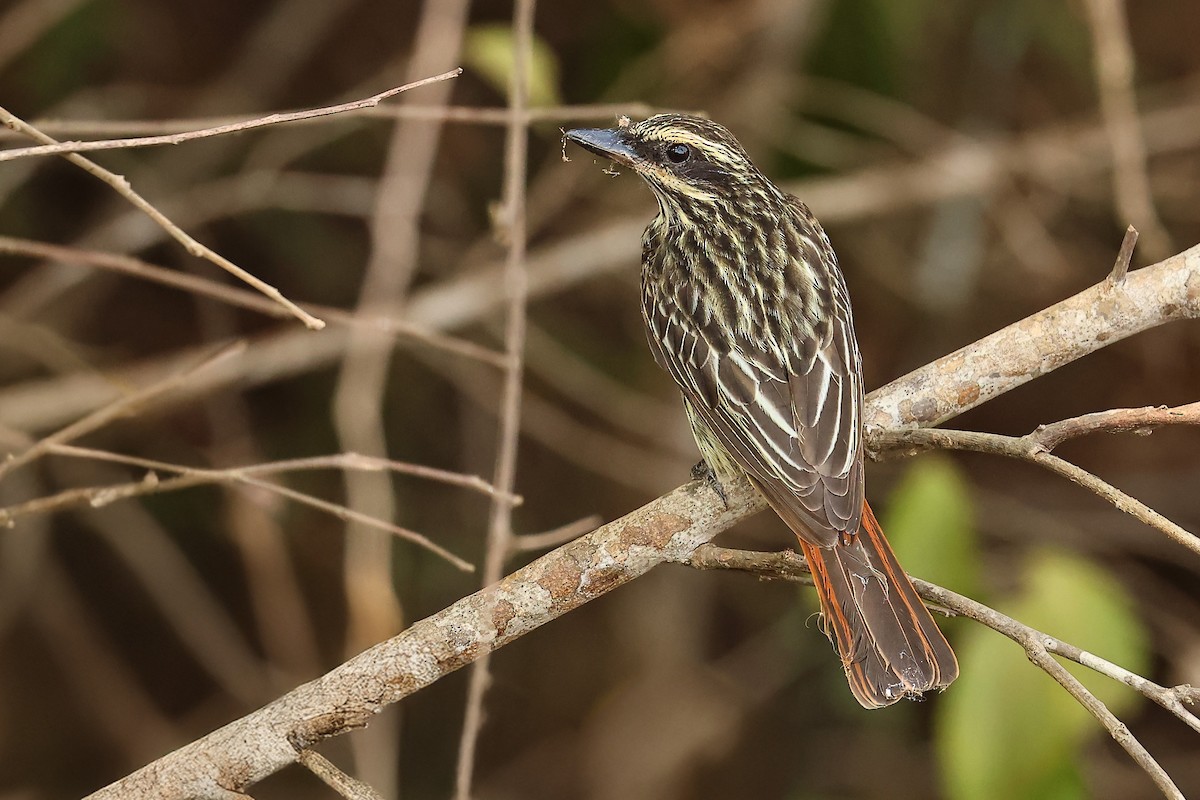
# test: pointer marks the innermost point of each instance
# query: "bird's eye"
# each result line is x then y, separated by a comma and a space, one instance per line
678, 153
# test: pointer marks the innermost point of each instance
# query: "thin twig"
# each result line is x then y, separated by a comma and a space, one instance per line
1114, 65
123, 188
348, 461
1029, 449
1124, 256
99, 496
516, 284
1116, 420
334, 778
1117, 729
468, 115
126, 405
557, 536
1173, 699
390, 324
1038, 646
773, 565
61, 148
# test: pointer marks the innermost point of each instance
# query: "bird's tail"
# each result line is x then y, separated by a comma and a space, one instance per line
889, 644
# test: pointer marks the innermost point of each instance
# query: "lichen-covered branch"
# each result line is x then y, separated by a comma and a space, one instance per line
255, 746
1041, 343
668, 529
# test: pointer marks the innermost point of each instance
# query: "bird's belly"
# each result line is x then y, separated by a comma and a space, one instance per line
711, 450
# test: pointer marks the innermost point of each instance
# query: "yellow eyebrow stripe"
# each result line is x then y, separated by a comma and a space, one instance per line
711, 150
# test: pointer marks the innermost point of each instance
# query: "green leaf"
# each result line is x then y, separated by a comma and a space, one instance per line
929, 522
1005, 728
488, 50
1082, 603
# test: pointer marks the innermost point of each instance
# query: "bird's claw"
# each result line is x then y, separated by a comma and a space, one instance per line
701, 471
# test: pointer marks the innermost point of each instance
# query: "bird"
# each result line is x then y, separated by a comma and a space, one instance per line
746, 308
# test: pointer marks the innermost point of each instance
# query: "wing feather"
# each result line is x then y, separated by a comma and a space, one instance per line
791, 421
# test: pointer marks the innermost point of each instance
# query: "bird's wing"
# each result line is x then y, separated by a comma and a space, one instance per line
788, 414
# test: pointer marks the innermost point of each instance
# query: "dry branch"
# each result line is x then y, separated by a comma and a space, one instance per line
464, 115
668, 529
1114, 63
122, 407
61, 148
255, 746
335, 779
244, 298
1057, 154
122, 187
1038, 646
1116, 420
188, 477
1028, 448
1043, 342
512, 224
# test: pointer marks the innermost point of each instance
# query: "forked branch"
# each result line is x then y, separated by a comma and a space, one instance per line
668, 529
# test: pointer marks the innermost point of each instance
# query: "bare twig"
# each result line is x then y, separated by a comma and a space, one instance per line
383, 323
1114, 65
1124, 256
334, 778
668, 529
466, 115
122, 187
1056, 154
122, 407
61, 148
516, 285
1117, 420
255, 746
1174, 699
99, 496
553, 538
772, 565
346, 461
1038, 646
1028, 448
1039, 655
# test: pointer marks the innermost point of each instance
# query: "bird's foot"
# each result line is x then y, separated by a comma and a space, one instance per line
703, 472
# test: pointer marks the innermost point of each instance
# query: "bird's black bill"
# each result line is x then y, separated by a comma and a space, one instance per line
608, 142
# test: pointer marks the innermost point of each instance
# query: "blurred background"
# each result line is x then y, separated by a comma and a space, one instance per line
957, 154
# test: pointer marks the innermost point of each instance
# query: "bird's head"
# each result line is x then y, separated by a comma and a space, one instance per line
685, 160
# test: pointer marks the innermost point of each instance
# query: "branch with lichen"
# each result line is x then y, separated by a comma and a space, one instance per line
670, 529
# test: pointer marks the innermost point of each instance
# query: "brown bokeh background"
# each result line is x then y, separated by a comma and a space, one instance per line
956, 153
